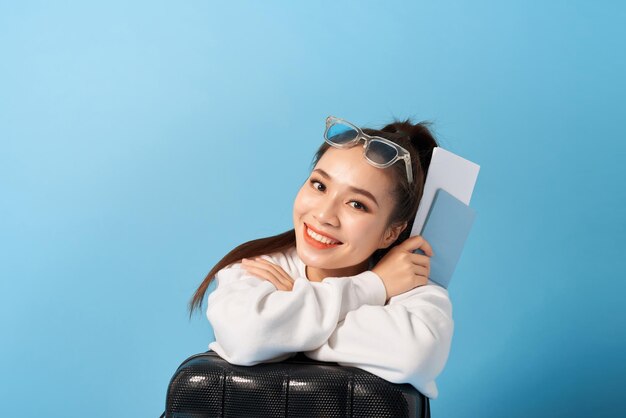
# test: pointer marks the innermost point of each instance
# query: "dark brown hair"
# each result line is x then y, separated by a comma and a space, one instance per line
415, 138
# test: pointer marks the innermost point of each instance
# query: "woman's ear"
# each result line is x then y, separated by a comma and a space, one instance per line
391, 234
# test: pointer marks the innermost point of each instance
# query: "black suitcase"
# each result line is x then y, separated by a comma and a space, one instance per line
205, 385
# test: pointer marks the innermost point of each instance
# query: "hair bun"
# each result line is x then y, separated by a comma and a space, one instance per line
420, 136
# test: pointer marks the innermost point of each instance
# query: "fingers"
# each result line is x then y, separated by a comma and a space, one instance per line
278, 270
265, 272
421, 274
422, 271
271, 272
420, 281
268, 276
420, 260
417, 242
264, 275
420, 265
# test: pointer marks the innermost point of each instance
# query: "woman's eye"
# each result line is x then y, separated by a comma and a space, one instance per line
358, 205
318, 185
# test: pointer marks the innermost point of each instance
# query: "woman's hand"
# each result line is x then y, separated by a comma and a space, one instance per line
401, 270
271, 272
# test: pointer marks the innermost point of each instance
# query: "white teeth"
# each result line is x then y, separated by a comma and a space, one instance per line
320, 238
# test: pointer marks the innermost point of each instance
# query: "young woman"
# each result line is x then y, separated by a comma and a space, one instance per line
345, 284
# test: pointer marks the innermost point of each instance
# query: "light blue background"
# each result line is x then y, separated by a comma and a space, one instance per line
140, 141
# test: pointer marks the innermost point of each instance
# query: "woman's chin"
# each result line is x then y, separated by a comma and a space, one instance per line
313, 257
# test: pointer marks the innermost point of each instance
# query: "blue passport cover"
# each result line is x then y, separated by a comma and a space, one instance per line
446, 229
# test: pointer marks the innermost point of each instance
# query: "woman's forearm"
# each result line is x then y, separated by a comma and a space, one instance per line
420, 327
253, 322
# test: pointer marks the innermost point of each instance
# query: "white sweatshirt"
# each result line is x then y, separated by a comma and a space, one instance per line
340, 319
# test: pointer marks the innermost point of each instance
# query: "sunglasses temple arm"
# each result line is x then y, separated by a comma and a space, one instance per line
409, 174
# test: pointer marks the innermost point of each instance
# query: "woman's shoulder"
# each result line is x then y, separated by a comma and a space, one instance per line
287, 259
282, 256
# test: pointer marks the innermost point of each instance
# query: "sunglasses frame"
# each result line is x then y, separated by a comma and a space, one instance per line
401, 153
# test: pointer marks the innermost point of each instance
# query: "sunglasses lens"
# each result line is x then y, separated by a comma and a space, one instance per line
381, 153
340, 134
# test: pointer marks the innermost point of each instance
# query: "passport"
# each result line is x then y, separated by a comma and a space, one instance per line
446, 229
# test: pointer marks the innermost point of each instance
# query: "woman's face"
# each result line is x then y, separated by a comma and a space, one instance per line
341, 212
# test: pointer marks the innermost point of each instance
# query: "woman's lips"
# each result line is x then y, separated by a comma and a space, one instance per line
315, 243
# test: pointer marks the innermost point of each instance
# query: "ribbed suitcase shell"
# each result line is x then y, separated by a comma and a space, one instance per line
205, 385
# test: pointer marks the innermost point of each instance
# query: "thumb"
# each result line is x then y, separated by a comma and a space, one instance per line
412, 243
417, 242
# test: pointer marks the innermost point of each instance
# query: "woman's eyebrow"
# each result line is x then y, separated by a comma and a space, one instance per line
352, 188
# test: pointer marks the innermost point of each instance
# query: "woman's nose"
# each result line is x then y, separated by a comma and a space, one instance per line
326, 213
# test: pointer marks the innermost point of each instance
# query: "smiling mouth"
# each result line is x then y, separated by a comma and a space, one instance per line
319, 240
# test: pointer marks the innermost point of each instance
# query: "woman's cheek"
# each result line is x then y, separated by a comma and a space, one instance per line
370, 228
355, 226
307, 201
300, 204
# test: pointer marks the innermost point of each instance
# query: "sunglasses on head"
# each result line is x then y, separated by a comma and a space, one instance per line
379, 152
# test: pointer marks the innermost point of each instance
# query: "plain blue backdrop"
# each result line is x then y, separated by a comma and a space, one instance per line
141, 141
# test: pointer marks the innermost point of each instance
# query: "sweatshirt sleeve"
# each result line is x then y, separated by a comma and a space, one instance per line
406, 341
253, 322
